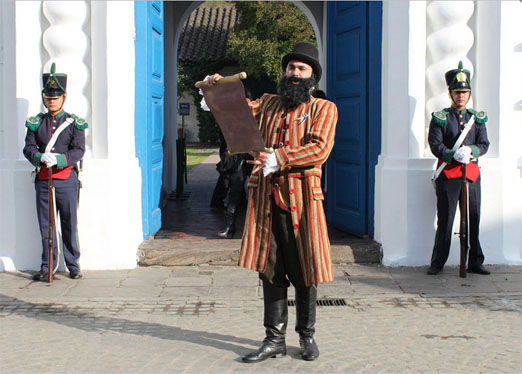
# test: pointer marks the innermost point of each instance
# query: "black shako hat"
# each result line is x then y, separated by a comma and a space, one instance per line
54, 84
307, 53
458, 79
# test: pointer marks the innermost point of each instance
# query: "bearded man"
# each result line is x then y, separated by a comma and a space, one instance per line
285, 237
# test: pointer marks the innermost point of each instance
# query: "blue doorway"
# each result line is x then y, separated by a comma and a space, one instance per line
149, 109
354, 35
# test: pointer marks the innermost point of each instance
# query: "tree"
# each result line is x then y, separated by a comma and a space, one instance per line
266, 31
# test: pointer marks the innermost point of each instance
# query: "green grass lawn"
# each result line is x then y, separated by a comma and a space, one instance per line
197, 153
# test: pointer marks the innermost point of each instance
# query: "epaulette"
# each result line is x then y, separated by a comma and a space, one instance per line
79, 123
440, 118
480, 117
32, 123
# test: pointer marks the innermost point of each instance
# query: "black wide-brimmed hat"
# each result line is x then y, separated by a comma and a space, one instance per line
307, 53
458, 79
54, 84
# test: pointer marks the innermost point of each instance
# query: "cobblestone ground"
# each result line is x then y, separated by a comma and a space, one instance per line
377, 334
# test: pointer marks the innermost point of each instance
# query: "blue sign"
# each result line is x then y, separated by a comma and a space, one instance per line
184, 109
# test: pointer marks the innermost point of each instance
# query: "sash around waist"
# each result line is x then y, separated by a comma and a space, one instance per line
280, 185
299, 173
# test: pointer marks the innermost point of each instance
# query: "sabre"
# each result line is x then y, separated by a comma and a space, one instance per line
50, 193
464, 224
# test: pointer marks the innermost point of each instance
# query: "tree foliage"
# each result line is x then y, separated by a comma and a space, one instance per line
266, 31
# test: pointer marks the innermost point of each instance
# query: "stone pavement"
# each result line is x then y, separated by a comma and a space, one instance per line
193, 319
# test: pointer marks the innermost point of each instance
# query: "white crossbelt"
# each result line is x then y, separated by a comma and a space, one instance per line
57, 133
456, 146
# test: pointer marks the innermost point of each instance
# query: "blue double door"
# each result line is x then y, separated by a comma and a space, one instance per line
354, 84
149, 109
354, 34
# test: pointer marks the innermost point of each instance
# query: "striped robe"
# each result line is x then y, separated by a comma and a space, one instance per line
307, 144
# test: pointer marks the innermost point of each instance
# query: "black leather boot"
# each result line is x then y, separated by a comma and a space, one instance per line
42, 275
305, 303
230, 221
275, 321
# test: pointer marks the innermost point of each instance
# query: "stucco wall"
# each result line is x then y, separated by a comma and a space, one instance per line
110, 204
405, 200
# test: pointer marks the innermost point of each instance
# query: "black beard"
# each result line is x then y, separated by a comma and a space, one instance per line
293, 95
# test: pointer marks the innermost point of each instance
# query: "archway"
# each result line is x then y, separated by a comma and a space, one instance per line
175, 15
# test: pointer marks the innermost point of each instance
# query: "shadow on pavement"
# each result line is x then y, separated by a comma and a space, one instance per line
90, 322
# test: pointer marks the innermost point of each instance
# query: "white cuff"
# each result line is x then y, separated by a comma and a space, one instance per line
203, 104
271, 165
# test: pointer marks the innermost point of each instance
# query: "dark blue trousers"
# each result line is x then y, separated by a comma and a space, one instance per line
448, 195
66, 193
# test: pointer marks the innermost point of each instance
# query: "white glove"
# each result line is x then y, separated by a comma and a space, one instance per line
49, 159
203, 104
463, 155
271, 165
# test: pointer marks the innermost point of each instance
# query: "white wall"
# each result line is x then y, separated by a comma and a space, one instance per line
111, 203
18, 215
510, 123
110, 206
405, 200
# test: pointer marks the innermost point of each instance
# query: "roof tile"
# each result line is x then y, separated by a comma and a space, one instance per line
205, 33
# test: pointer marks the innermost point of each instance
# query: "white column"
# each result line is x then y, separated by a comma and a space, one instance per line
98, 133
68, 45
8, 147
417, 73
391, 204
9, 150
110, 225
505, 240
20, 246
449, 40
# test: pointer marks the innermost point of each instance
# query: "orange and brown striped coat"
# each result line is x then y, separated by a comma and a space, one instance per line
307, 144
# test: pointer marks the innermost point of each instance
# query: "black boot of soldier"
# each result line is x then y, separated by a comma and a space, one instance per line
230, 222
275, 321
305, 303
42, 275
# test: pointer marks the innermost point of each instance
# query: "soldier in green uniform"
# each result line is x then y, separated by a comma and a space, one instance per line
55, 142
445, 129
